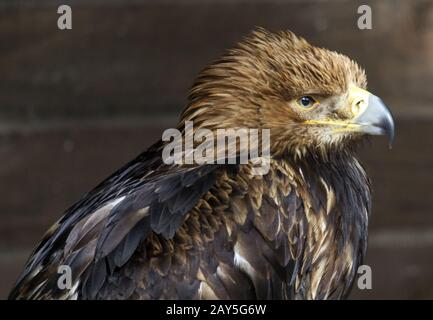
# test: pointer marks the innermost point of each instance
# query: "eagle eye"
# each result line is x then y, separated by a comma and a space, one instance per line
306, 102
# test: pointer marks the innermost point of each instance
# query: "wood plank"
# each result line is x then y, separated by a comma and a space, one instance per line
141, 59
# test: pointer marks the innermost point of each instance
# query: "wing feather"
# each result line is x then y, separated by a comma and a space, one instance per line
103, 230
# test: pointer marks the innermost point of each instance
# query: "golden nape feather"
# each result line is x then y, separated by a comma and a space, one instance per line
154, 230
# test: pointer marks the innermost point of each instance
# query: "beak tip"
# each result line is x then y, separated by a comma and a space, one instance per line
389, 128
379, 118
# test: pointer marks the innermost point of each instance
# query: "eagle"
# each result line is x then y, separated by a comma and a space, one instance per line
158, 230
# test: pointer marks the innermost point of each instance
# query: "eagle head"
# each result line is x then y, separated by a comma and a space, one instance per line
312, 99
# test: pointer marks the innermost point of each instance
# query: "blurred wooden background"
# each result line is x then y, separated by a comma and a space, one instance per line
75, 105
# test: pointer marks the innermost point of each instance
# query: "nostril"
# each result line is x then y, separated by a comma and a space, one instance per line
357, 106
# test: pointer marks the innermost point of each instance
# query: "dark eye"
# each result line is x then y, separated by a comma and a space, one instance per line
306, 102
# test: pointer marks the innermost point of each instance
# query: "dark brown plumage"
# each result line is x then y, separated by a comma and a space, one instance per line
158, 231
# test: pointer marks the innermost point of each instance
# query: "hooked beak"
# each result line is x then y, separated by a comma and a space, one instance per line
371, 115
